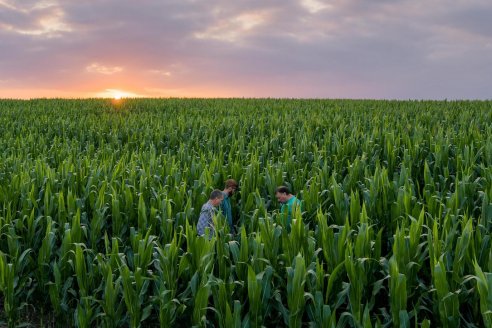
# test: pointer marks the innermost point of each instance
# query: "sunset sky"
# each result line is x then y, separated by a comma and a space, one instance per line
431, 49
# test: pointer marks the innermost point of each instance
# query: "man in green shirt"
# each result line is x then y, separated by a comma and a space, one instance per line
226, 207
289, 203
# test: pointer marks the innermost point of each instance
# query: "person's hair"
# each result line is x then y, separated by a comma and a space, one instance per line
231, 183
216, 194
282, 190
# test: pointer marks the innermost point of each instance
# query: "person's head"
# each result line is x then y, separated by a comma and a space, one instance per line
282, 194
230, 187
216, 197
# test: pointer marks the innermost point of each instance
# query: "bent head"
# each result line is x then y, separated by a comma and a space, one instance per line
216, 197
282, 194
230, 187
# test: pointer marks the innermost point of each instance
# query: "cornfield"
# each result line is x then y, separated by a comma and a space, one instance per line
99, 202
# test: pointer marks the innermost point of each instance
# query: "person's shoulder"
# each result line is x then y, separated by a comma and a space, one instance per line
206, 206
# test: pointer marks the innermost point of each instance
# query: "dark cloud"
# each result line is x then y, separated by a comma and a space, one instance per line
306, 48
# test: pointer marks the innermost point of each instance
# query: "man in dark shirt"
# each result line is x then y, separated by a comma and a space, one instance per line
226, 207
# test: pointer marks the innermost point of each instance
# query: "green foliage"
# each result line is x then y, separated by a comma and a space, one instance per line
99, 203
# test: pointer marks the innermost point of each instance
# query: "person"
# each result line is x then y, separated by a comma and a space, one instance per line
289, 203
209, 209
225, 207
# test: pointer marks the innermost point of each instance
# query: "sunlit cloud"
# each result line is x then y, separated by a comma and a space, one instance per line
102, 69
314, 6
47, 19
7, 4
232, 29
45, 4
27, 7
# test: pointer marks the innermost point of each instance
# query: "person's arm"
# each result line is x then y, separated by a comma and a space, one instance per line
222, 207
200, 227
211, 226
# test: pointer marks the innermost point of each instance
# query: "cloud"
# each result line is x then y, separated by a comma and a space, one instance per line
101, 69
314, 6
235, 28
280, 48
42, 19
160, 72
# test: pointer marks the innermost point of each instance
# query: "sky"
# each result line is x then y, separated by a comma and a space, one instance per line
378, 49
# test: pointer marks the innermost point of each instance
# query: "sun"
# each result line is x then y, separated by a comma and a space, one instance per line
116, 94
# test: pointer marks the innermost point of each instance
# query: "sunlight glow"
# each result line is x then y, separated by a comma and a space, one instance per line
117, 94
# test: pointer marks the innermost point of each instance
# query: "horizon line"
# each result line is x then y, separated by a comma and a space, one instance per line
245, 98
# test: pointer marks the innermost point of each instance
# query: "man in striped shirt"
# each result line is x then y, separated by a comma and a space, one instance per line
209, 209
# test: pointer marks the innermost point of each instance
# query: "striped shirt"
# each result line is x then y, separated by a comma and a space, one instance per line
206, 219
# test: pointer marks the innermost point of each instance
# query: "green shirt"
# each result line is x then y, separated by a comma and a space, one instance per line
288, 207
226, 209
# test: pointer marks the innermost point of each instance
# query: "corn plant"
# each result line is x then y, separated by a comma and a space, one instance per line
135, 286
99, 203
12, 280
296, 298
484, 285
446, 298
